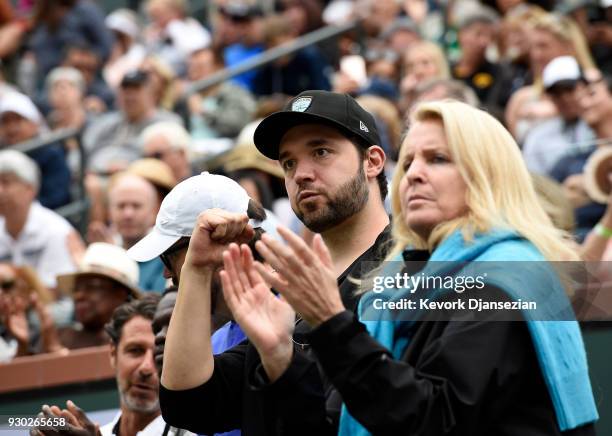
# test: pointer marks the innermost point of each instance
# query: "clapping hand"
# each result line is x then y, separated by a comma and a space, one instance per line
306, 276
267, 320
76, 422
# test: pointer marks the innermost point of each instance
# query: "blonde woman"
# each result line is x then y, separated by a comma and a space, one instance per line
461, 193
551, 36
422, 61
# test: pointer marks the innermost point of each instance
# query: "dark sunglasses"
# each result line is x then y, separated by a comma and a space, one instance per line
563, 88
166, 255
157, 155
7, 285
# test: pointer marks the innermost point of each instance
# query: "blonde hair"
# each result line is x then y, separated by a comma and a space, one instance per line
555, 203
157, 65
499, 188
435, 52
566, 29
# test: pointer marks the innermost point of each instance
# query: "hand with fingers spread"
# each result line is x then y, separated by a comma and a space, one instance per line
76, 422
307, 280
214, 229
268, 321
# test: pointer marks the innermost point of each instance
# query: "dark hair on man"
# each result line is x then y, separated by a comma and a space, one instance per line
381, 178
144, 307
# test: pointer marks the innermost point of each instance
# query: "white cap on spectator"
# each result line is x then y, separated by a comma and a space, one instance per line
123, 21
66, 73
21, 105
338, 12
107, 260
560, 69
179, 211
17, 163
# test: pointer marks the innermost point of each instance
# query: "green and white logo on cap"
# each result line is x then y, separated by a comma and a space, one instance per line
301, 104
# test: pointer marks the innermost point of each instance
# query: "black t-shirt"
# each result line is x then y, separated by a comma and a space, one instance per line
482, 81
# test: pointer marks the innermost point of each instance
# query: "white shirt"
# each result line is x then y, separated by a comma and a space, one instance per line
42, 244
155, 428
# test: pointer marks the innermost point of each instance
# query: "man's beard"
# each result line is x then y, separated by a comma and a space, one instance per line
139, 405
349, 199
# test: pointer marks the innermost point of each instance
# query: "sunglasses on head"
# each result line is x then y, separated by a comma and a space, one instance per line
166, 255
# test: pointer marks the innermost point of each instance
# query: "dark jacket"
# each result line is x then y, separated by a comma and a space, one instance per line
446, 382
306, 70
54, 175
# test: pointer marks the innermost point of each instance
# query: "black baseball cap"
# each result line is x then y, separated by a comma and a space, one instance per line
319, 107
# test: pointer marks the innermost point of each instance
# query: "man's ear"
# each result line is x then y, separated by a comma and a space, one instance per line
113, 356
375, 161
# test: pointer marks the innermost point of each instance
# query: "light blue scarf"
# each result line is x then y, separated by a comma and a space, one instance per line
558, 344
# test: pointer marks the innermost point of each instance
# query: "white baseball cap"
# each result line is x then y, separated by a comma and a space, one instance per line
107, 260
561, 69
180, 209
123, 21
21, 105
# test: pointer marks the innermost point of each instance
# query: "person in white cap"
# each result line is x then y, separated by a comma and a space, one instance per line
548, 141
595, 101
31, 234
105, 279
178, 217
21, 121
223, 201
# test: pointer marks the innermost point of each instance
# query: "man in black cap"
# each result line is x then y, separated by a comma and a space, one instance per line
328, 147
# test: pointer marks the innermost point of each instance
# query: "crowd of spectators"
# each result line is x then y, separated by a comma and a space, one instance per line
127, 81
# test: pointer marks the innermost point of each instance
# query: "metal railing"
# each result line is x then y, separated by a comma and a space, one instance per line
78, 209
270, 55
